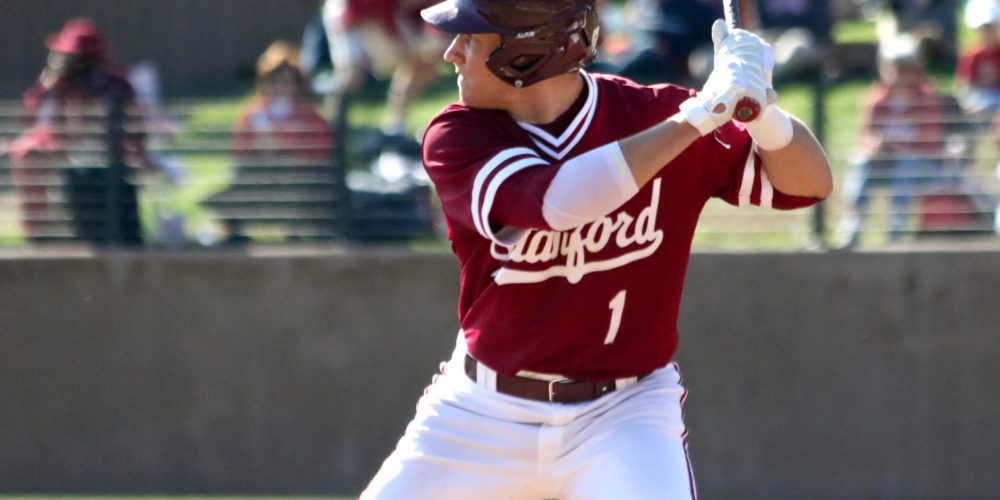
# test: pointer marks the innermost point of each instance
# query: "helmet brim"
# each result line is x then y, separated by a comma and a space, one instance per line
459, 16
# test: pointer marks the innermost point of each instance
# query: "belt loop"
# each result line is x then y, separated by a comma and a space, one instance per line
622, 383
552, 391
486, 377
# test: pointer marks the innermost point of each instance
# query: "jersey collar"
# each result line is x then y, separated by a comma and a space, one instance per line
558, 147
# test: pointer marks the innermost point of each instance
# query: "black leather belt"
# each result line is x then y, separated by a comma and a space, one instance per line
556, 391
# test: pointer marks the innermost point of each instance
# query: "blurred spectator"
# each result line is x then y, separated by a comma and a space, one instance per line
673, 41
383, 37
934, 23
281, 121
70, 109
977, 77
279, 135
902, 141
669, 31
780, 15
314, 55
996, 195
797, 29
167, 226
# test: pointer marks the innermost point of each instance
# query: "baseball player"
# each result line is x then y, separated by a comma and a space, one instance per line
571, 201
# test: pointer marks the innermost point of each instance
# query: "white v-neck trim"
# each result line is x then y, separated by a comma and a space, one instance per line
558, 147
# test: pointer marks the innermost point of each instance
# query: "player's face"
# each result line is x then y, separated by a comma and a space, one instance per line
478, 87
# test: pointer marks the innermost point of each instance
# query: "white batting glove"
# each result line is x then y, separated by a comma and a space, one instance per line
743, 67
754, 56
772, 129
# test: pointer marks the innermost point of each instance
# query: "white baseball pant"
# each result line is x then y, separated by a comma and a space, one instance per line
469, 442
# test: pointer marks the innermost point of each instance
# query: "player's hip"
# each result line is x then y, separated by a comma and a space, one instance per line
660, 394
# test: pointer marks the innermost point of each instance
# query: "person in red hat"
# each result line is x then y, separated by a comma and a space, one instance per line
65, 111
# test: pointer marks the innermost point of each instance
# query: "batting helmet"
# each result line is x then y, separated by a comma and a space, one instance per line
539, 38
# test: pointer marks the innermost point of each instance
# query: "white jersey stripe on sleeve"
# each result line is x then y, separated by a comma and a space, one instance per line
494, 185
746, 187
484, 173
766, 190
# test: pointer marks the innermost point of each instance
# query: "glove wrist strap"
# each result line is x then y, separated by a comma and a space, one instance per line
693, 111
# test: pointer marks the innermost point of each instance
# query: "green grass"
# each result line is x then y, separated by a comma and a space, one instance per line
861, 31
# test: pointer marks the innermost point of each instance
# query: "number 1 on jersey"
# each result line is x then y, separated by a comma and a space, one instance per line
617, 306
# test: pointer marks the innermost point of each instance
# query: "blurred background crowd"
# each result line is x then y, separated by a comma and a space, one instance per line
318, 139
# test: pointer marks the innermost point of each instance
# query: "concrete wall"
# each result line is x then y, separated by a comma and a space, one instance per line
811, 375
196, 43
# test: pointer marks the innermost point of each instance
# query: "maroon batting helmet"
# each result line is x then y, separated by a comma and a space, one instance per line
539, 38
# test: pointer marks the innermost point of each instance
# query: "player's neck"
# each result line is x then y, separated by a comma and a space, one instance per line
546, 100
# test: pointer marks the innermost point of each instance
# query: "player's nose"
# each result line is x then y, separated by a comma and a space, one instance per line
453, 53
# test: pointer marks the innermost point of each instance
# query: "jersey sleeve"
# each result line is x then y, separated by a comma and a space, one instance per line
734, 172
487, 181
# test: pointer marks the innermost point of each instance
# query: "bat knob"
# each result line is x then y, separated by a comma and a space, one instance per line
746, 110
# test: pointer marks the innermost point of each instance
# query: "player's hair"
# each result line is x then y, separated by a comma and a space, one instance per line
281, 55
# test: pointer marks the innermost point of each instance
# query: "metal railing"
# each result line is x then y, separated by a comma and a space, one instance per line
113, 176
200, 187
942, 185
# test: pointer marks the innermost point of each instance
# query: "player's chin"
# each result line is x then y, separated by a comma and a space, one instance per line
466, 97
475, 97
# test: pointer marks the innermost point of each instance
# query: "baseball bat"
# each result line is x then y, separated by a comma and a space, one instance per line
747, 108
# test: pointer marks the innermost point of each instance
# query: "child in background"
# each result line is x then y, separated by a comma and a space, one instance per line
282, 147
281, 121
902, 141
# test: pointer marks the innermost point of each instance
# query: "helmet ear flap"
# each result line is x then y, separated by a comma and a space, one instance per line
565, 43
519, 65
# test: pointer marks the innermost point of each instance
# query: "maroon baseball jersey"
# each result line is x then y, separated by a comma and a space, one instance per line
601, 300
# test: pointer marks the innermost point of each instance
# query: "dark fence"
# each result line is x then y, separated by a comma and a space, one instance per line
115, 175
204, 183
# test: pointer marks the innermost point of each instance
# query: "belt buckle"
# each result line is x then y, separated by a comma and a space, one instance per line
552, 392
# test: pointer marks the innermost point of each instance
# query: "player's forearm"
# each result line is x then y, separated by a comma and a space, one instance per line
648, 151
593, 184
800, 168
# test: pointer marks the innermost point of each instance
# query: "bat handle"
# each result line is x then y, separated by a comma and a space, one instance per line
731, 10
747, 110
